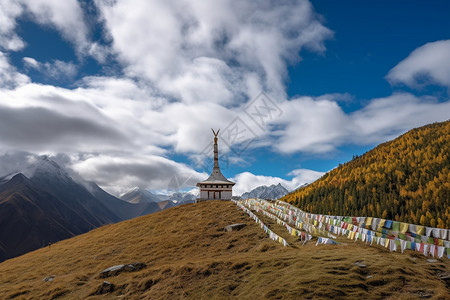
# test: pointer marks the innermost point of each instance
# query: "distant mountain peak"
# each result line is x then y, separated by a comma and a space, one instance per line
18, 179
139, 195
45, 166
19, 176
130, 191
266, 192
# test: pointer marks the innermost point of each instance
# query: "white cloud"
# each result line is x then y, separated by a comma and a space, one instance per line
386, 118
310, 125
59, 69
67, 17
31, 62
304, 176
201, 51
211, 56
117, 174
14, 161
9, 11
45, 118
9, 77
246, 181
319, 126
427, 64
103, 115
56, 69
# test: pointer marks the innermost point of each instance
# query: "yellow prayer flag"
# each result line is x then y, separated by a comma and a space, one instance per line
387, 243
368, 222
381, 225
404, 227
420, 229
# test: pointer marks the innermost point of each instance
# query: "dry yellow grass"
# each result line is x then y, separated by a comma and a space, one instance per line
188, 255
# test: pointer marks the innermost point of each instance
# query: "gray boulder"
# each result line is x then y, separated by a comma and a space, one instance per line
116, 270
234, 227
48, 279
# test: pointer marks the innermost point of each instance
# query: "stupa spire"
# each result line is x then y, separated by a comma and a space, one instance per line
216, 150
216, 186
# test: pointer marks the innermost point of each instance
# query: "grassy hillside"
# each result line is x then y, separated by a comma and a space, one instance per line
407, 179
188, 255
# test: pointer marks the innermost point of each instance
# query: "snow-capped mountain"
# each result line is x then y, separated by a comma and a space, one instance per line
46, 167
266, 192
43, 166
138, 195
182, 198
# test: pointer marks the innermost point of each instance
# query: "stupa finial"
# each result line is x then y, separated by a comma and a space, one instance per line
215, 135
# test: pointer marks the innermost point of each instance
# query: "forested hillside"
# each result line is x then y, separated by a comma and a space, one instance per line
406, 180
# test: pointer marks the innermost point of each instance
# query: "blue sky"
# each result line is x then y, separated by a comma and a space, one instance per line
124, 93
369, 40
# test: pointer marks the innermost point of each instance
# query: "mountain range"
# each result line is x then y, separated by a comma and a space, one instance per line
139, 195
44, 204
272, 192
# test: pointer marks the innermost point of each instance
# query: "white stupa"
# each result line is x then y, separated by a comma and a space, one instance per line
216, 187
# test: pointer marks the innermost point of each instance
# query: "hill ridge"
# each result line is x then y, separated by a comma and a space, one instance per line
187, 254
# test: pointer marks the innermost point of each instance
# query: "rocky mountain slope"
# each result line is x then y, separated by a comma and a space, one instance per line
43, 204
272, 192
31, 218
138, 195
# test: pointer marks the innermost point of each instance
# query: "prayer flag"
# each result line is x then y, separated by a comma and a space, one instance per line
395, 226
403, 245
420, 229
404, 227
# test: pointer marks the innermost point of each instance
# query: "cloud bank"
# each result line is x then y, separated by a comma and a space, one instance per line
187, 66
201, 51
